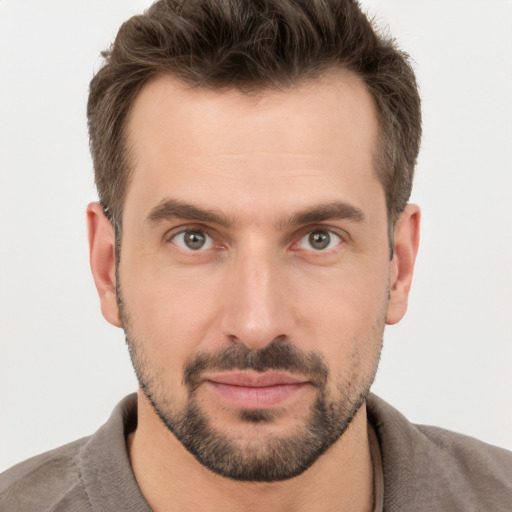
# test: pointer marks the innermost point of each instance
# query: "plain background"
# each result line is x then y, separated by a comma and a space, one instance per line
63, 368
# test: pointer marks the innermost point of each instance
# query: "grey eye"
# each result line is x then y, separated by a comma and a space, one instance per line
193, 240
319, 240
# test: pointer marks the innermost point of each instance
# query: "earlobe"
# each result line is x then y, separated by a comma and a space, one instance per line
102, 261
407, 236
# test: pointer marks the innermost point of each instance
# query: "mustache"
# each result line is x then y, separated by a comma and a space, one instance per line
277, 355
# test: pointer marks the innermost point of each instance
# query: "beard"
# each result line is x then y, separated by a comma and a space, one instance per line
266, 458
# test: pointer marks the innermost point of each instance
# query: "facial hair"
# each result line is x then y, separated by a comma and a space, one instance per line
267, 458
263, 460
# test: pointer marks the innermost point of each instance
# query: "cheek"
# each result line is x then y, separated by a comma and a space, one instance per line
345, 314
172, 309
350, 339
351, 295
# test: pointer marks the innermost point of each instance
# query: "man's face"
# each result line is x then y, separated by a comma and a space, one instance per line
254, 268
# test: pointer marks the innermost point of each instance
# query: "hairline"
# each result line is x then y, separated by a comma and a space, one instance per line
381, 142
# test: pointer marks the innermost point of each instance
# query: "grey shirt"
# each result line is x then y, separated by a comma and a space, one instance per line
424, 468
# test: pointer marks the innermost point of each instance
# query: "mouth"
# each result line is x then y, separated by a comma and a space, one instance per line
252, 391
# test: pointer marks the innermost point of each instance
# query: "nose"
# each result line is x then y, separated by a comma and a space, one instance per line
257, 308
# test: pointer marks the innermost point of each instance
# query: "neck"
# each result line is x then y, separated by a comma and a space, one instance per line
170, 478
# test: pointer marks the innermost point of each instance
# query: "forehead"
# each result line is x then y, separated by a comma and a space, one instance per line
306, 112
301, 142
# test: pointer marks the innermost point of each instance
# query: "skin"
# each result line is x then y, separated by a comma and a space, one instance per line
259, 162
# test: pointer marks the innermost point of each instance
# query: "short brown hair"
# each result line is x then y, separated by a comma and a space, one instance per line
253, 45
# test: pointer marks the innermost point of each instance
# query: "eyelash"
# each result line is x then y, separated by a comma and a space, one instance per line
332, 238
173, 236
307, 232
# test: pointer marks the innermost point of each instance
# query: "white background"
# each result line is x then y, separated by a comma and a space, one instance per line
63, 368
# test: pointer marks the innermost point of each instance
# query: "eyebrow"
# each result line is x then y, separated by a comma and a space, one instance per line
336, 210
170, 209
174, 209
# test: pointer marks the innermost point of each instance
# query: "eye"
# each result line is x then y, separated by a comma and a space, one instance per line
319, 240
193, 240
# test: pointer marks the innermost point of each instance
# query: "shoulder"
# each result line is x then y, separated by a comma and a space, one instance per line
45, 482
472, 456
480, 472
429, 468
91, 473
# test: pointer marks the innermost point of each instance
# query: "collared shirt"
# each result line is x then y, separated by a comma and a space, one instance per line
423, 469
378, 474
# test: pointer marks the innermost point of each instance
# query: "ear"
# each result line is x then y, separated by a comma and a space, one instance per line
103, 262
407, 238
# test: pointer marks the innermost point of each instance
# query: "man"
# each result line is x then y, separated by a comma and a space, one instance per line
253, 237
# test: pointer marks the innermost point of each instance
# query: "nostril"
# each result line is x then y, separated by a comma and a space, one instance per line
281, 338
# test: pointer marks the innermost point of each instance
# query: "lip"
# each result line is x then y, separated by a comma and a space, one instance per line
255, 390
254, 380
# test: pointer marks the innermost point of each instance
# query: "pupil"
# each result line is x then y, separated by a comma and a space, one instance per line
194, 240
319, 239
